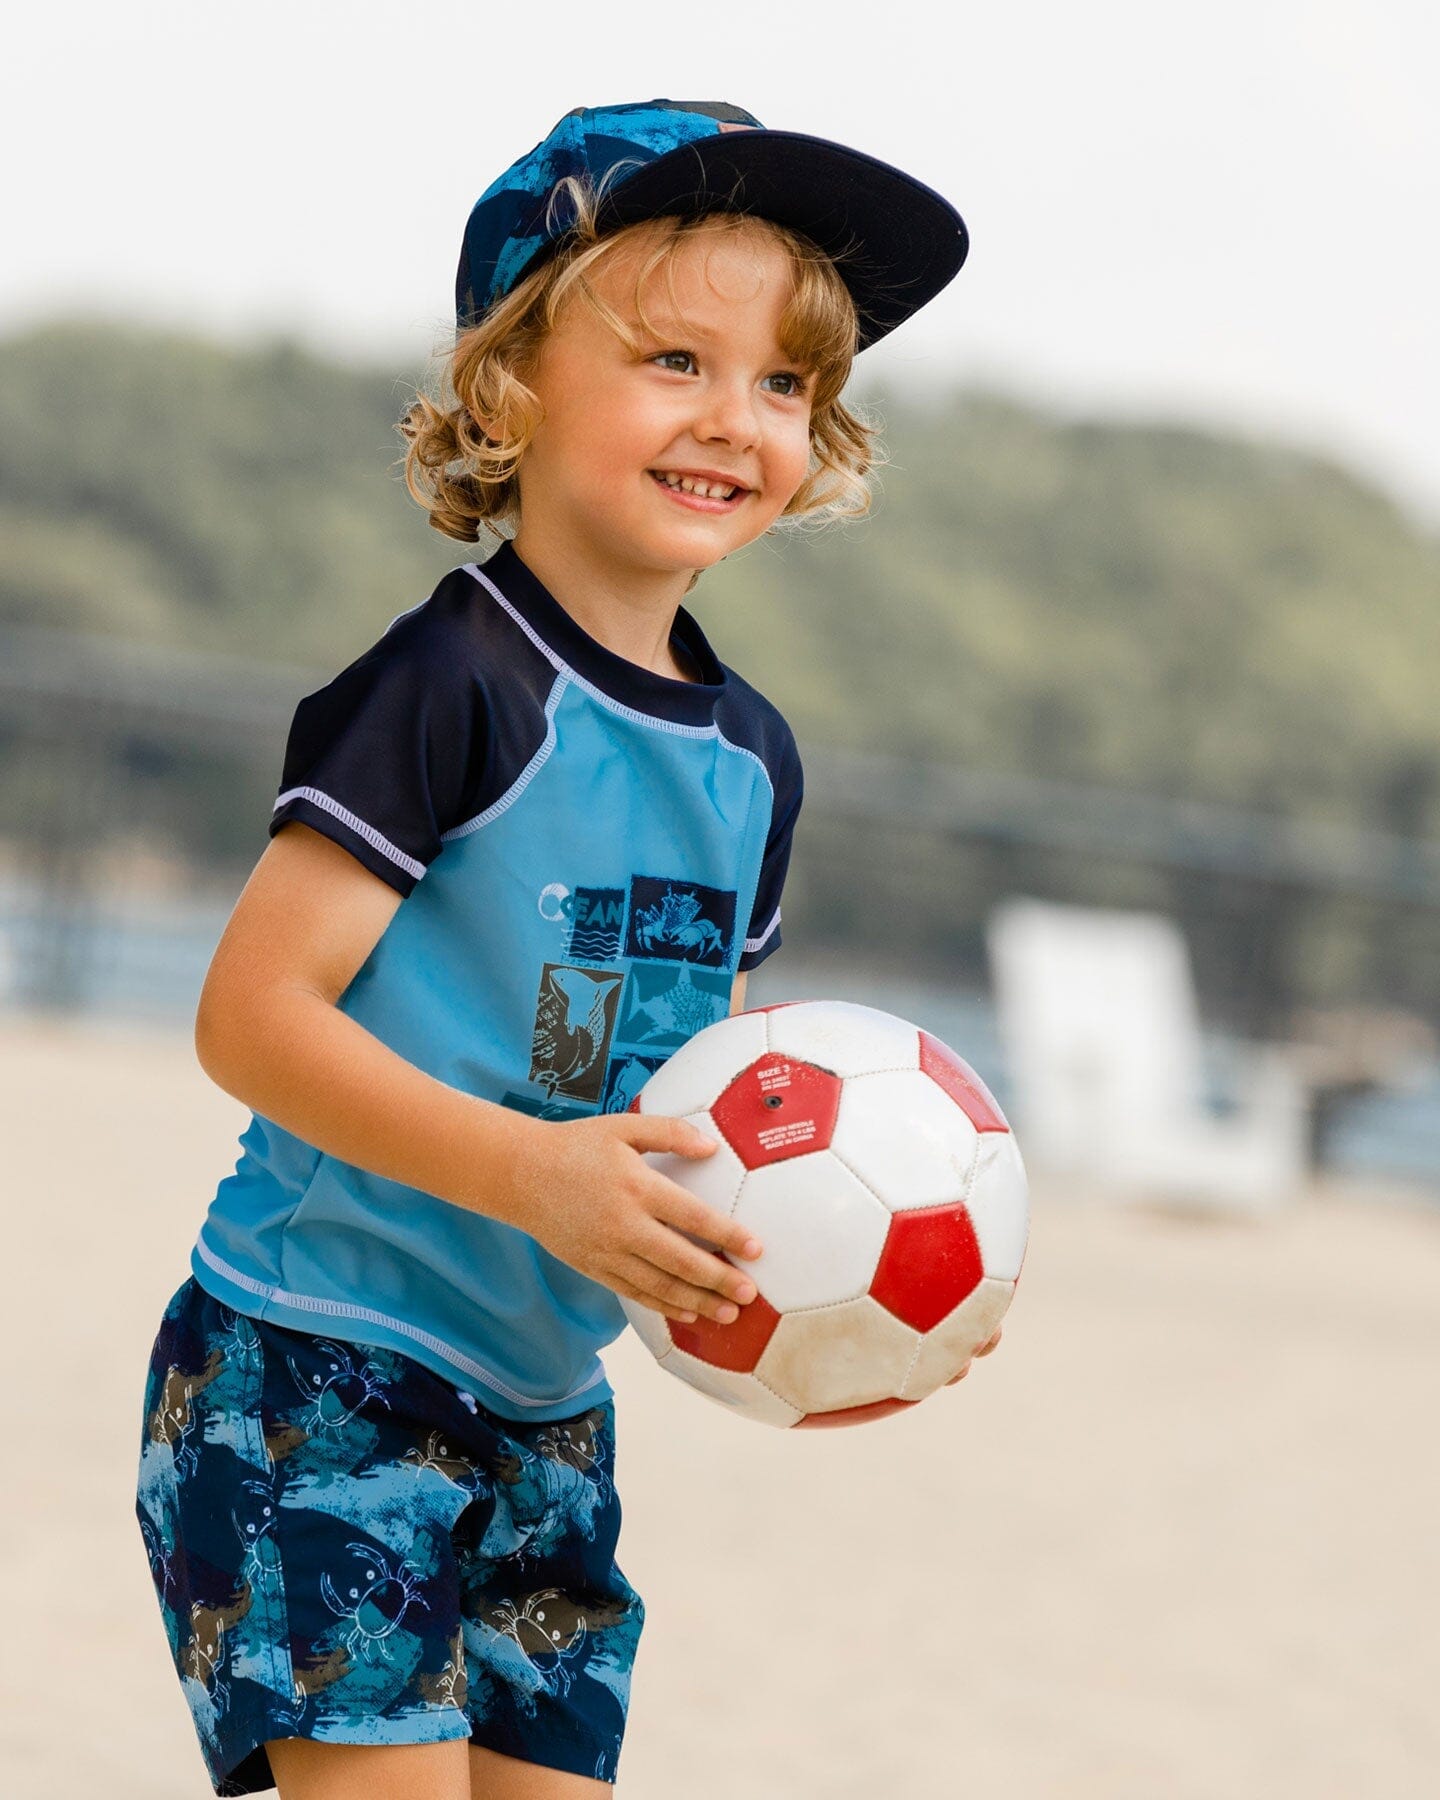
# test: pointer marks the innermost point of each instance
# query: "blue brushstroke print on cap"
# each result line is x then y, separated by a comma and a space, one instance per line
506, 229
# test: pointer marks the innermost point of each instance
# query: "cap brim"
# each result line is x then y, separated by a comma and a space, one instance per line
896, 242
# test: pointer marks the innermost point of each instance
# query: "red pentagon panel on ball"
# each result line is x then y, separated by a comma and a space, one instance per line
738, 1346
929, 1263
961, 1083
776, 1108
853, 1415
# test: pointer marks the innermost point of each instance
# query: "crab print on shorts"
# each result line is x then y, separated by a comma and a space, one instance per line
346, 1546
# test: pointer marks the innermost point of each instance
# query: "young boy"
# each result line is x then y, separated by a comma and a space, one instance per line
376, 1476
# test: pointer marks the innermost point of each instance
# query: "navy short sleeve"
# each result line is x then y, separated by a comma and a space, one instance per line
383, 758
763, 936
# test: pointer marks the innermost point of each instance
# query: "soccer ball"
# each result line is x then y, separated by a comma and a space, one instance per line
880, 1175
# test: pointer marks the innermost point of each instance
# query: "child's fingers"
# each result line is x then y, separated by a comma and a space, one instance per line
676, 1205
984, 1350
655, 1286
676, 1256
664, 1132
680, 1314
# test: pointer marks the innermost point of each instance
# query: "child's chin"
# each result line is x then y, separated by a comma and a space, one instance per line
714, 550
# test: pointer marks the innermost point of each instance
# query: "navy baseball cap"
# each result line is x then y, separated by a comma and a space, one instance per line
896, 241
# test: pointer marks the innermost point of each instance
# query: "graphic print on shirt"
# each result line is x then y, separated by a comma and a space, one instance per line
574, 1021
597, 924
680, 921
665, 1004
625, 1077
542, 1109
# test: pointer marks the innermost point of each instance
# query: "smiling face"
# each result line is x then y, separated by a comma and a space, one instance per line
707, 392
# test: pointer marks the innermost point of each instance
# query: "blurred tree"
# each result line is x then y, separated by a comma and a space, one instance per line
1145, 606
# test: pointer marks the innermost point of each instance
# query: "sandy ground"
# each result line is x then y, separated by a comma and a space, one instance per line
1175, 1540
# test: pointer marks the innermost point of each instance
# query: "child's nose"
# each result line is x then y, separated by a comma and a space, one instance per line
729, 414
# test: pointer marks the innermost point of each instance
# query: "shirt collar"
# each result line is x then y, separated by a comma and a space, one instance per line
685, 702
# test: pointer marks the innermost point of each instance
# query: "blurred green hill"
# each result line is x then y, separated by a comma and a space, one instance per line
1153, 607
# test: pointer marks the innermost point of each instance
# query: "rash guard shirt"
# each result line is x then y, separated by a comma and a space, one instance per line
587, 852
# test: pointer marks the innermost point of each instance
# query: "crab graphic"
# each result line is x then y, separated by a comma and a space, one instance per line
552, 1625
576, 1444
201, 1658
334, 1402
676, 920
260, 1563
542, 1628
173, 1419
439, 1455
162, 1569
244, 1354
375, 1613
449, 1686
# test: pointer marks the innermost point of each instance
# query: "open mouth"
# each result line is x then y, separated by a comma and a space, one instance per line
712, 496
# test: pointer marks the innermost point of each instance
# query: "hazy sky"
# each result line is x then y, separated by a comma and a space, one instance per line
1224, 213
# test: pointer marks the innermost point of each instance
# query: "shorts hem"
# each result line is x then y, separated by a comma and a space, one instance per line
238, 1779
597, 1762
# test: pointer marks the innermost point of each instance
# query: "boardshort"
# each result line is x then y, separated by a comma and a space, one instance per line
348, 1548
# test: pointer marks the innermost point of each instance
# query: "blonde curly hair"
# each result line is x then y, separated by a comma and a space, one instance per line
464, 443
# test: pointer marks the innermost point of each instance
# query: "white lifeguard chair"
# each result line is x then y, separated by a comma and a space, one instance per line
1096, 1011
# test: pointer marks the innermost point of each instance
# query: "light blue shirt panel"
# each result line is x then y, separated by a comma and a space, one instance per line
253, 1205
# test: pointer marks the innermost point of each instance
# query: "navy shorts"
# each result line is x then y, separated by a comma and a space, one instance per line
346, 1547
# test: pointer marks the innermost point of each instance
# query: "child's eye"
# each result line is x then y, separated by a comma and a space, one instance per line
665, 355
789, 375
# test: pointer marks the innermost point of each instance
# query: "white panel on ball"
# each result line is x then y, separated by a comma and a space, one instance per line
715, 1179
948, 1346
737, 1393
705, 1065
822, 1230
650, 1327
999, 1205
839, 1356
844, 1037
931, 1162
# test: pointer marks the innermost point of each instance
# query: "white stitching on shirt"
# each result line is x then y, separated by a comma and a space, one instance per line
741, 750
626, 712
357, 825
343, 1309
523, 779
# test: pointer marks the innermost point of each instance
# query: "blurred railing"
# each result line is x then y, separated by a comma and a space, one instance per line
136, 782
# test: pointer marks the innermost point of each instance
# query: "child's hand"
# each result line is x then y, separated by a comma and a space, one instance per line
984, 1350
584, 1190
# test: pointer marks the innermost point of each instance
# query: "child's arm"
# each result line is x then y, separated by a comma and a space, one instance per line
269, 1032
